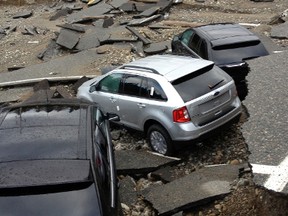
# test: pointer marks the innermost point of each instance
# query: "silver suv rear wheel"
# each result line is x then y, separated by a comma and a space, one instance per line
160, 140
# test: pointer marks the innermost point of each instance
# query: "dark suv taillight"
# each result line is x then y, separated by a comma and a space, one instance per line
181, 115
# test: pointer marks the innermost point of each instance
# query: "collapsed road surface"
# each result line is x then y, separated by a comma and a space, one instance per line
33, 49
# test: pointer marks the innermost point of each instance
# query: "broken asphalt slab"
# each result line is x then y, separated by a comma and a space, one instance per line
136, 162
68, 38
61, 68
95, 10
280, 31
197, 188
14, 94
23, 14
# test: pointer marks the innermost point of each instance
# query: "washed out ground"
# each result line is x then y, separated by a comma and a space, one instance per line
227, 147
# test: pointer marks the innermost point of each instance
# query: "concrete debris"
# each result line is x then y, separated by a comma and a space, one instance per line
89, 39
62, 92
143, 21
42, 85
79, 82
2, 31
24, 14
128, 7
40, 95
127, 191
206, 184
137, 47
155, 48
11, 29
52, 50
137, 34
284, 15
149, 12
13, 68
280, 31
108, 22
31, 30
137, 162
68, 38
14, 94
72, 27
164, 5
117, 3
95, 10
61, 13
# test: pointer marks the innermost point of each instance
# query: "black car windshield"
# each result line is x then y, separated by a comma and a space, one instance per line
200, 82
238, 52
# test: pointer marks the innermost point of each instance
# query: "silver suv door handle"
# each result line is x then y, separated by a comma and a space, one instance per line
140, 105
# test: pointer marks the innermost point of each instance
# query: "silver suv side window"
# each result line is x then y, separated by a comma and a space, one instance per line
155, 91
140, 86
110, 83
135, 85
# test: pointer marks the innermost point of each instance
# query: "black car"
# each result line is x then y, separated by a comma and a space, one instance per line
229, 45
56, 158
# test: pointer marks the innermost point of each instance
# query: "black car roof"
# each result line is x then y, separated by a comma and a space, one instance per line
53, 130
225, 33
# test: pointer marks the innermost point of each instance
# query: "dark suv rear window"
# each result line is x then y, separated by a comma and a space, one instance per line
238, 52
200, 82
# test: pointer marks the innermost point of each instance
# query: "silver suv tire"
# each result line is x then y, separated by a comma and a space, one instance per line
159, 140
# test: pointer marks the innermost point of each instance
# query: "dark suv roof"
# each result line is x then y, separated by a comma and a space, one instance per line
225, 33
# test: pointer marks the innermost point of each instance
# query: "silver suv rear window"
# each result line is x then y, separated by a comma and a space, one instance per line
200, 82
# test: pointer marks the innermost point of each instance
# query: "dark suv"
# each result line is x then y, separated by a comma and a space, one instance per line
228, 45
56, 158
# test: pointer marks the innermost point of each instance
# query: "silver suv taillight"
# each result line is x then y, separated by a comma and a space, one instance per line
181, 115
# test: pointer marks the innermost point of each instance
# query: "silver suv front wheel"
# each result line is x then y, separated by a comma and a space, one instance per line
160, 140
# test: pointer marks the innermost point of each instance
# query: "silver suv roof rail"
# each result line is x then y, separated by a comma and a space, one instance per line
140, 68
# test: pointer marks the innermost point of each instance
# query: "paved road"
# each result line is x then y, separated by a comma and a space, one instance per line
266, 131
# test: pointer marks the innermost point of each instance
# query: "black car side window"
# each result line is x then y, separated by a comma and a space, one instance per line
194, 43
186, 36
203, 49
155, 91
110, 83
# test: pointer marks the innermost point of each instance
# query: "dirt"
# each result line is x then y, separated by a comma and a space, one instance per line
17, 49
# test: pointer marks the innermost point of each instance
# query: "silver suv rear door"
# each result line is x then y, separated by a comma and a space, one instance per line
133, 100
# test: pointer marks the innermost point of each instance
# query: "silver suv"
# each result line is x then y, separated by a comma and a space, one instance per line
170, 98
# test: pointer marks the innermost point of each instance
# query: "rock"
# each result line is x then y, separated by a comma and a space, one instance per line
235, 162
24, 14
280, 31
